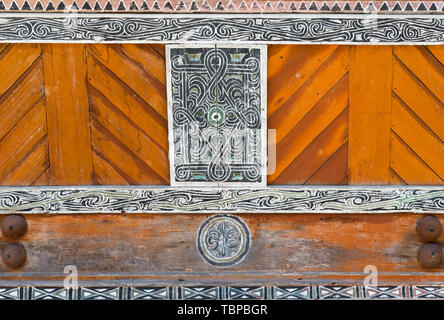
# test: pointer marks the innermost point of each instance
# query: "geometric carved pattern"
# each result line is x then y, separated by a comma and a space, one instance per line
216, 115
246, 6
308, 106
417, 130
303, 292
333, 28
23, 132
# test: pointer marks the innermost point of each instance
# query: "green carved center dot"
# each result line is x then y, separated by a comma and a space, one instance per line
216, 116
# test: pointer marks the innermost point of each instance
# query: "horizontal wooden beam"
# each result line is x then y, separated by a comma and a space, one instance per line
161, 250
327, 28
155, 199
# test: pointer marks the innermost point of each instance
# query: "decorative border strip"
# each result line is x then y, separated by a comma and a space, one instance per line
261, 28
108, 199
303, 292
221, 6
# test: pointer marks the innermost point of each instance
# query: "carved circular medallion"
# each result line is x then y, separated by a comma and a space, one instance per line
216, 116
223, 240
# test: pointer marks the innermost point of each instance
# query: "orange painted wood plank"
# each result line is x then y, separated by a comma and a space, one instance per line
105, 174
3, 46
130, 166
152, 92
334, 171
68, 117
408, 166
437, 52
424, 66
306, 131
31, 168
369, 114
128, 103
395, 179
129, 134
317, 153
310, 93
150, 61
21, 97
44, 179
14, 61
22, 139
418, 99
418, 137
303, 61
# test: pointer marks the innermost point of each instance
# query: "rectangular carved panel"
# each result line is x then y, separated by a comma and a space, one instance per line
217, 114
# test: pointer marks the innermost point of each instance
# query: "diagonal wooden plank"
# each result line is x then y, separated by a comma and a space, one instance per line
43, 180
3, 46
437, 52
128, 102
317, 153
408, 166
127, 133
424, 66
19, 99
14, 61
152, 92
104, 173
68, 117
369, 114
131, 167
309, 93
328, 109
303, 62
149, 60
21, 140
418, 137
418, 98
31, 168
333, 171
395, 179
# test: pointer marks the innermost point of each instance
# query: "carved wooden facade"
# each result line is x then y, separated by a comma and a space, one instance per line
86, 144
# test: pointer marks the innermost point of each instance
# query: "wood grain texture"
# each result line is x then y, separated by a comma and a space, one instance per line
285, 248
418, 115
308, 132
130, 112
369, 114
68, 117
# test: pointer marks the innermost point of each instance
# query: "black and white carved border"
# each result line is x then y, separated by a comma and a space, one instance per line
416, 291
241, 28
77, 200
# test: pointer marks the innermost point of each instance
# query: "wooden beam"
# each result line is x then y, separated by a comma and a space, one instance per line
370, 114
67, 114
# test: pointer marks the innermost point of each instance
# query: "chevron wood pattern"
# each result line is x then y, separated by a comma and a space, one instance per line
417, 125
312, 92
308, 107
23, 131
128, 114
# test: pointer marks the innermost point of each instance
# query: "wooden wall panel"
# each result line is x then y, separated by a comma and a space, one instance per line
24, 154
308, 106
285, 248
417, 126
370, 113
67, 113
126, 85
343, 115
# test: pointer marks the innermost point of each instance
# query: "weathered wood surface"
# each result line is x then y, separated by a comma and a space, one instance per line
285, 249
